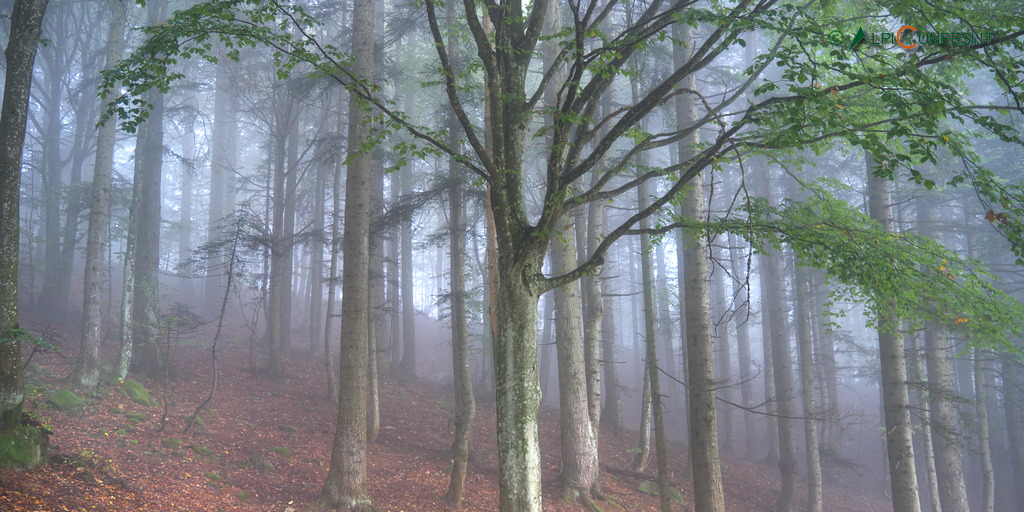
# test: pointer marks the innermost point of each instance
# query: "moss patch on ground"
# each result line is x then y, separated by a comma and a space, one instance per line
22, 448
65, 400
137, 392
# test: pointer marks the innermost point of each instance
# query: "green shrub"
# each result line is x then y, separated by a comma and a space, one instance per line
170, 443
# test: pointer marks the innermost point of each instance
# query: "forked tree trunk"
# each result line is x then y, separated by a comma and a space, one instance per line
651, 353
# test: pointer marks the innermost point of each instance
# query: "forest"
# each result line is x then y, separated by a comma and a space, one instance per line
555, 255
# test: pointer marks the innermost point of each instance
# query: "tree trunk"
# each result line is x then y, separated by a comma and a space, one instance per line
465, 402
807, 388
408, 363
651, 353
742, 323
773, 313
26, 22
949, 464
594, 314
723, 360
611, 411
895, 393
332, 273
345, 488
703, 423
988, 494
579, 443
1013, 404
87, 370
150, 356
55, 65
924, 441
223, 163
547, 344
188, 172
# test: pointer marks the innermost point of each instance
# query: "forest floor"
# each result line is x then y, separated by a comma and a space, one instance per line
265, 446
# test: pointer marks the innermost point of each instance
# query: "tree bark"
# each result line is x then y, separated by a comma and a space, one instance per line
87, 369
949, 464
923, 442
651, 354
149, 357
807, 387
223, 163
26, 23
773, 313
703, 423
723, 359
408, 364
742, 323
981, 382
579, 443
465, 402
1013, 404
345, 488
895, 393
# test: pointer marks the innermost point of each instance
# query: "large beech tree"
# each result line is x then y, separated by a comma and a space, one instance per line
26, 23
824, 92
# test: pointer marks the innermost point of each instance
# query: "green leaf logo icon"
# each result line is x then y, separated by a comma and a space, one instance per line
858, 38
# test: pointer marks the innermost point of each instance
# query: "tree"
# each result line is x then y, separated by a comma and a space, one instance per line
895, 393
345, 488
949, 463
26, 23
87, 369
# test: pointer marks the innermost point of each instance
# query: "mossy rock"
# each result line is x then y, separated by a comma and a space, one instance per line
202, 450
282, 450
65, 400
649, 487
136, 417
137, 392
23, 448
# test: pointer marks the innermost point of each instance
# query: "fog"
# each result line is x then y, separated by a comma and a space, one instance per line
704, 241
